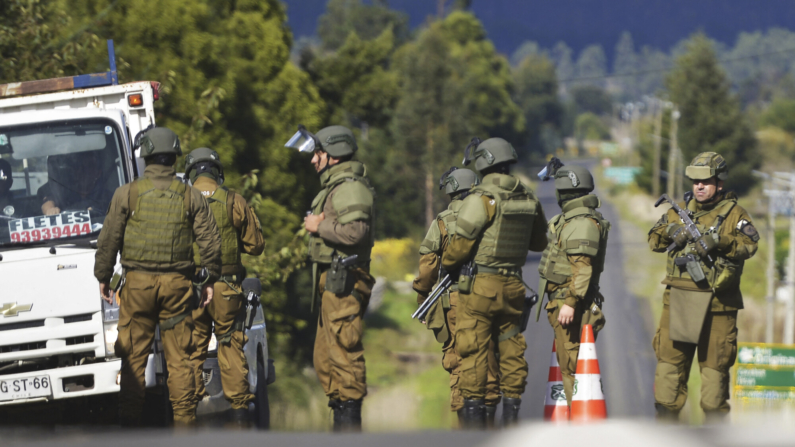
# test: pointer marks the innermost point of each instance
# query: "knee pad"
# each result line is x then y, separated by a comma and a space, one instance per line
714, 389
666, 383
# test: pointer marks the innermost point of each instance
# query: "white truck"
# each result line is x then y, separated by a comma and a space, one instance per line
65, 146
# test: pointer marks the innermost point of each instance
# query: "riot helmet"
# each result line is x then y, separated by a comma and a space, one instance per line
204, 161
457, 180
489, 153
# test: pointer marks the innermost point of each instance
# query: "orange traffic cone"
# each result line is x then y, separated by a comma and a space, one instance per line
555, 407
588, 401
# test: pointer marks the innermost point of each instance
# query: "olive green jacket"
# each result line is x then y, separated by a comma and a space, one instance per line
243, 219
737, 242
111, 238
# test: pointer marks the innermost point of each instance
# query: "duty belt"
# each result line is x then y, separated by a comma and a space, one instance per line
504, 271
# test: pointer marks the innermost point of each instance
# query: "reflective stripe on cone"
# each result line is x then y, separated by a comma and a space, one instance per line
588, 402
555, 406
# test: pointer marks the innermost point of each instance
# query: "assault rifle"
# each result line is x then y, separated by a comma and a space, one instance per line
690, 226
440, 288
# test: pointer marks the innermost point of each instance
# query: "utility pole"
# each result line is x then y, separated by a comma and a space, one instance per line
672, 168
655, 186
770, 298
789, 322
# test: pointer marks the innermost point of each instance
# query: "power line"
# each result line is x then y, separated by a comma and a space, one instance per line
662, 70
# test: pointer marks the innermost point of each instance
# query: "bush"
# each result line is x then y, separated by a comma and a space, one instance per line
590, 127
395, 259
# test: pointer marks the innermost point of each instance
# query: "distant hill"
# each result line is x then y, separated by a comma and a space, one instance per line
657, 23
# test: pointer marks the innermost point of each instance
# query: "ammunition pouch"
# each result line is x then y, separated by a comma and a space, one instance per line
339, 279
726, 275
466, 277
692, 265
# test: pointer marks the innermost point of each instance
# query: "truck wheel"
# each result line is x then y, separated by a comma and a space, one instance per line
262, 411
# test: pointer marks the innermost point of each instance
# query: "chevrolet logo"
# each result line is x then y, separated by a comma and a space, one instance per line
13, 309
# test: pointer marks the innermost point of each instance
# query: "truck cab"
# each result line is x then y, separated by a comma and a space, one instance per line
63, 153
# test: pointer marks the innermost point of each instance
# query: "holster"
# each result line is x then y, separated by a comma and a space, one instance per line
339, 279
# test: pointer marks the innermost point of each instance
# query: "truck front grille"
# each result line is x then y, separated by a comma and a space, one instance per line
23, 325
79, 340
24, 347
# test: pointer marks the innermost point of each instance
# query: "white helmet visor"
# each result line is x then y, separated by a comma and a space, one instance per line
302, 140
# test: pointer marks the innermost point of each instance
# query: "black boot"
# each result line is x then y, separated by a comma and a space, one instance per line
347, 415
491, 411
665, 414
510, 411
473, 415
238, 418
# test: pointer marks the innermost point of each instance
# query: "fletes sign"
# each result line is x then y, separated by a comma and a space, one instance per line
42, 228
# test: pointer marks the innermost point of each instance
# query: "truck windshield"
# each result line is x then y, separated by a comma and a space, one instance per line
57, 179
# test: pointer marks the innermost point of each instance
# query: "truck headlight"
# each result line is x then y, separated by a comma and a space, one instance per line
110, 321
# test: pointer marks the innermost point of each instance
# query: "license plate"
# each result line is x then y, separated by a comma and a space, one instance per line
25, 387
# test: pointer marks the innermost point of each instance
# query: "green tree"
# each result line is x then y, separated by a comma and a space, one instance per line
780, 114
36, 42
454, 86
344, 17
626, 62
537, 96
589, 126
711, 119
592, 65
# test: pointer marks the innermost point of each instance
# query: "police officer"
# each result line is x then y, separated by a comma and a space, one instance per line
240, 233
153, 222
442, 316
702, 293
497, 224
570, 267
7, 208
341, 228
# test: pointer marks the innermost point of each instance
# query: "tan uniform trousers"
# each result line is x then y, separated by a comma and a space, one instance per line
717, 351
452, 363
567, 341
226, 305
339, 354
492, 308
147, 299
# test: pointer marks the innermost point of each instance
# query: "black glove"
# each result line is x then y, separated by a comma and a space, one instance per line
678, 235
705, 244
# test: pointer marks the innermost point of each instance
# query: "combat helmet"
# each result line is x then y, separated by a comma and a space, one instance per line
157, 140
573, 179
204, 160
338, 141
489, 153
707, 165
457, 180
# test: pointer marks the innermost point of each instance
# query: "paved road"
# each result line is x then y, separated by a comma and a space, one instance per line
624, 348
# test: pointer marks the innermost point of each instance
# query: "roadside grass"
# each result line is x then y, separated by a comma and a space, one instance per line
407, 387
645, 269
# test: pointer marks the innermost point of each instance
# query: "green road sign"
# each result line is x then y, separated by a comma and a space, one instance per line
765, 371
762, 354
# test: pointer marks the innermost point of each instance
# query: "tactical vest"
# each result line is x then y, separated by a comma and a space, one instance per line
505, 242
726, 272
321, 251
555, 266
221, 206
450, 215
159, 228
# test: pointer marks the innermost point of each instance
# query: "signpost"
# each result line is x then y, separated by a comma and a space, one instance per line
765, 371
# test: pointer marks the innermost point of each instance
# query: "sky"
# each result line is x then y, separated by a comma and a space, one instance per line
579, 23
